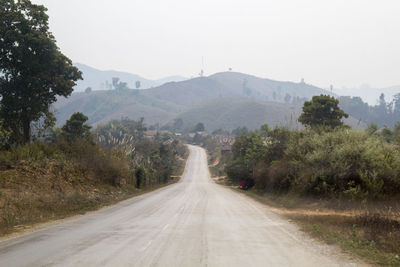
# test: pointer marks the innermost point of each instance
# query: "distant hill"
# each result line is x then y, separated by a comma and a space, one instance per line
103, 106
230, 113
232, 84
98, 79
223, 100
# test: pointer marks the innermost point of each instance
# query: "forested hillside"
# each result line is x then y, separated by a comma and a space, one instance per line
206, 95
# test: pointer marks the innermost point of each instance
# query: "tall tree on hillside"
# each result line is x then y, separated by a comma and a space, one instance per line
287, 98
322, 110
199, 127
76, 127
33, 71
396, 104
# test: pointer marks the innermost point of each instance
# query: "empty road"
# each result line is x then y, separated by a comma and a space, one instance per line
192, 223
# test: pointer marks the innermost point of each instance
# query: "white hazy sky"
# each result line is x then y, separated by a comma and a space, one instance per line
339, 42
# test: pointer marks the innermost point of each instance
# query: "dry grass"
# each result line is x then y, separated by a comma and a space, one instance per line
370, 231
53, 186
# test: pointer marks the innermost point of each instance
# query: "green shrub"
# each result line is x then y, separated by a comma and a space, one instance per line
340, 162
343, 161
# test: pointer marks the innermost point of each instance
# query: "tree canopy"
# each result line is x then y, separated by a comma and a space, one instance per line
75, 127
33, 71
322, 110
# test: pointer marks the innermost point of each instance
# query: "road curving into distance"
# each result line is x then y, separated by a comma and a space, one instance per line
192, 223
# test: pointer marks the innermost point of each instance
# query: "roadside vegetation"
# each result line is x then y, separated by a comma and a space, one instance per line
341, 184
73, 170
46, 172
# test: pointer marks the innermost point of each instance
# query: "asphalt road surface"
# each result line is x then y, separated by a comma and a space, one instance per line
192, 223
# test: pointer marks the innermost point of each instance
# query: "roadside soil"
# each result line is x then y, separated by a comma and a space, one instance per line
368, 230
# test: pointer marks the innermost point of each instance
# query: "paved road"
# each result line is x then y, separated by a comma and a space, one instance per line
192, 223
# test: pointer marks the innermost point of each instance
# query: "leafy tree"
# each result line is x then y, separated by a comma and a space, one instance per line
322, 110
33, 71
178, 124
396, 133
88, 90
372, 128
4, 136
199, 127
75, 127
240, 131
287, 98
396, 105
386, 133
247, 151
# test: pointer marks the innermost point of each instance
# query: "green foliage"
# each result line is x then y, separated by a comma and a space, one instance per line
384, 113
323, 111
33, 70
396, 133
76, 128
199, 127
247, 151
340, 162
154, 160
372, 128
343, 161
5, 136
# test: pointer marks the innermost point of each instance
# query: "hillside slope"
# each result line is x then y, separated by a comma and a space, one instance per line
103, 106
234, 112
230, 113
231, 84
223, 100
96, 79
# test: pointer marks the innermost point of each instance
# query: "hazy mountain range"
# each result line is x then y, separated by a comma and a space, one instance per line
369, 94
223, 100
99, 79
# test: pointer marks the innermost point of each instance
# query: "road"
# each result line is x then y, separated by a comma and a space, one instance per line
192, 223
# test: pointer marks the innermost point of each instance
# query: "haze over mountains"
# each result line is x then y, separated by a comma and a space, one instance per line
224, 100
100, 79
370, 94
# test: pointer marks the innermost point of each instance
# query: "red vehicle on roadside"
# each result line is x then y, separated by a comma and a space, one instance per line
246, 184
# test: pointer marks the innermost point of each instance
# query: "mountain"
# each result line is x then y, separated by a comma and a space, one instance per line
103, 106
223, 100
98, 79
370, 94
232, 84
230, 113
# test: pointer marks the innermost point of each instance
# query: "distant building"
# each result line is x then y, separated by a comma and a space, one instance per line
225, 142
150, 134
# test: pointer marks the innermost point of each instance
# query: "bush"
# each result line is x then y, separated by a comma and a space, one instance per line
340, 162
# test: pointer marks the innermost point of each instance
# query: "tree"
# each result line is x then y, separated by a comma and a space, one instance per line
396, 133
138, 84
240, 131
372, 128
396, 104
322, 110
199, 127
287, 98
33, 71
178, 124
88, 90
75, 127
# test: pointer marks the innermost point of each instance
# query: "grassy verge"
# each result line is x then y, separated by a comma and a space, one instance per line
367, 230
36, 190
